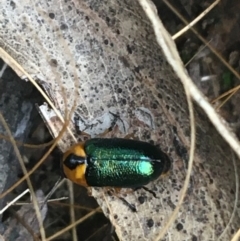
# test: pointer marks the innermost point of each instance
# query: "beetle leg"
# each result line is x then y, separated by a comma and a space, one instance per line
110, 129
78, 131
89, 191
112, 126
130, 136
146, 189
116, 193
129, 205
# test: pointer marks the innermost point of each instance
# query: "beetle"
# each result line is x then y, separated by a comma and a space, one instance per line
114, 162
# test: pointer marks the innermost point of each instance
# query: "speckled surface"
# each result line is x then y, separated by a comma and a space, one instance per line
105, 53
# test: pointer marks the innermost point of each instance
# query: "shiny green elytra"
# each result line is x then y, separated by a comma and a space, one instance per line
122, 163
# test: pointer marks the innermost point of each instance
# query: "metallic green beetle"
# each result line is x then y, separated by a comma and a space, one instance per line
120, 163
